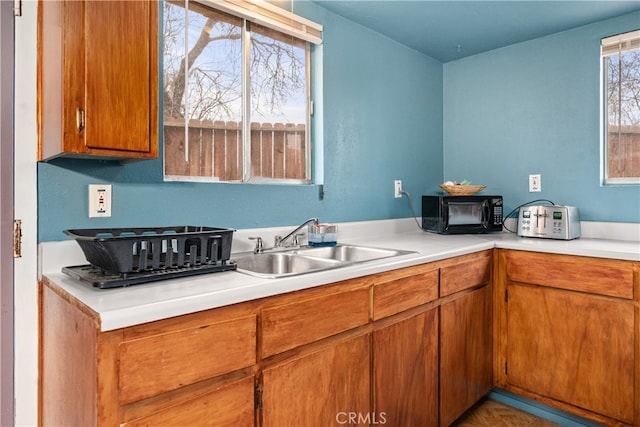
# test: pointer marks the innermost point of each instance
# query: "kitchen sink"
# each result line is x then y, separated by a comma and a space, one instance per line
350, 253
281, 264
289, 262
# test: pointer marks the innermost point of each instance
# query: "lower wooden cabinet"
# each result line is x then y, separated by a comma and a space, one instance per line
153, 364
385, 349
231, 405
569, 333
573, 347
197, 369
294, 320
432, 357
411, 347
466, 352
405, 371
330, 386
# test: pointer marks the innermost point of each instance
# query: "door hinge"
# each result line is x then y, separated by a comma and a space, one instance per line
506, 295
257, 396
17, 238
17, 7
506, 368
81, 119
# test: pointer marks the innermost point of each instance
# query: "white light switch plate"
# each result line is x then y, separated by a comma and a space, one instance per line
535, 183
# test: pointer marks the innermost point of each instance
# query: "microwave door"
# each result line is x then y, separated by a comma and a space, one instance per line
465, 214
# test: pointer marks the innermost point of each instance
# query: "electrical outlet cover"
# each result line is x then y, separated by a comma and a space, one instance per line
397, 188
99, 200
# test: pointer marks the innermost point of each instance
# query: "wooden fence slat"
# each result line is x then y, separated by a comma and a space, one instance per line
278, 150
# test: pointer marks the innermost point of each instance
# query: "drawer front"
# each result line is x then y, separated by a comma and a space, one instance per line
404, 293
159, 363
228, 406
592, 275
464, 275
301, 322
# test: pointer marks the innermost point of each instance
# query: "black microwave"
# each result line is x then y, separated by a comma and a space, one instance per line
462, 214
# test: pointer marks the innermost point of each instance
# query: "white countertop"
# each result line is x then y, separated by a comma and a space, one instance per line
122, 307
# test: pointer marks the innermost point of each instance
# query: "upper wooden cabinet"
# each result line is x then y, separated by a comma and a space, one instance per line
98, 79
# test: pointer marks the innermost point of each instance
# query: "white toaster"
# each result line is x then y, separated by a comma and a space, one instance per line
549, 222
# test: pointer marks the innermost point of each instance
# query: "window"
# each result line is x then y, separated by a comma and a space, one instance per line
621, 99
238, 108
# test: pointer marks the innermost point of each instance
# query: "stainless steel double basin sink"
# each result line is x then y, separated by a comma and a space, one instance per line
290, 262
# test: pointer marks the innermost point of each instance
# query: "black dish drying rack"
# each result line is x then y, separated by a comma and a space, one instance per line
126, 256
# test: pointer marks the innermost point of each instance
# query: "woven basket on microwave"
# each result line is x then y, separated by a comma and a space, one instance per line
462, 190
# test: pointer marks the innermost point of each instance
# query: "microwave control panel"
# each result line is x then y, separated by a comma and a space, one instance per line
497, 212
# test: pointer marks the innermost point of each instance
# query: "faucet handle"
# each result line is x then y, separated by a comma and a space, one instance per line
259, 244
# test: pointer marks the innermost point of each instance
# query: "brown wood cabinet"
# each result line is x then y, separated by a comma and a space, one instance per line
405, 371
209, 409
466, 335
405, 346
381, 349
181, 370
321, 388
315, 351
305, 317
98, 79
568, 333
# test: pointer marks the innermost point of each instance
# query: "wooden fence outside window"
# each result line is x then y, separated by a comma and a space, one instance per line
623, 152
278, 151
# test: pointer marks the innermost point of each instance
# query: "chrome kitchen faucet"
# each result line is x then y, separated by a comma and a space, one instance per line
280, 241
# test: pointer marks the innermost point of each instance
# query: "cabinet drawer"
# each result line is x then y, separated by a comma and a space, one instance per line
159, 363
592, 275
404, 293
231, 405
455, 278
290, 325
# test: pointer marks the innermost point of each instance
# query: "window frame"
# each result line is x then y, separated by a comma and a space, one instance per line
628, 41
290, 25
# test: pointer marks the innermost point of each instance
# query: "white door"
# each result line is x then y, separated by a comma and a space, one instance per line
6, 215
25, 208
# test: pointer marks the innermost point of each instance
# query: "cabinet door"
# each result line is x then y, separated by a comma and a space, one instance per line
405, 371
328, 387
573, 347
466, 352
229, 406
119, 68
98, 79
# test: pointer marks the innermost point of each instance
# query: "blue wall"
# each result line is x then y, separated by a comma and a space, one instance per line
534, 107
382, 121
388, 113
